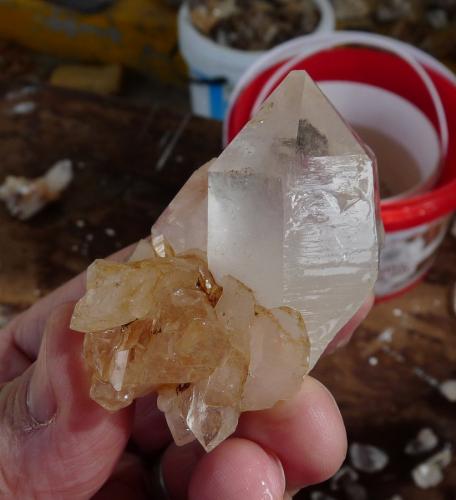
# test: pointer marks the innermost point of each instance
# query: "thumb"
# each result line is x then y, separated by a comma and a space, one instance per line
55, 442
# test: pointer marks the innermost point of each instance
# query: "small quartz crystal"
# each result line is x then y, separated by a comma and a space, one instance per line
448, 390
26, 197
276, 237
290, 208
430, 473
426, 440
368, 458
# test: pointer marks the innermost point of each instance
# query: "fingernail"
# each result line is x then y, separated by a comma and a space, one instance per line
41, 401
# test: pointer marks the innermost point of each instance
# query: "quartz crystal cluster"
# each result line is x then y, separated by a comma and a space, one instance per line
270, 246
161, 322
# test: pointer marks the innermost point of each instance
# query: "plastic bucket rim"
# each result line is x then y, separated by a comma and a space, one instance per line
325, 25
288, 66
427, 182
285, 50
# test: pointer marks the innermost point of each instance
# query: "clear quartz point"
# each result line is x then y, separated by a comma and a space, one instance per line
292, 210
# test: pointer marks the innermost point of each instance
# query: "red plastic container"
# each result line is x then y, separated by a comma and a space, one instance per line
414, 226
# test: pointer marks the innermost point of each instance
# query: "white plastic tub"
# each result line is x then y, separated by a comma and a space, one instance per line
215, 69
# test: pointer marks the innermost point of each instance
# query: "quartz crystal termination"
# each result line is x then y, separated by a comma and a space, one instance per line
292, 211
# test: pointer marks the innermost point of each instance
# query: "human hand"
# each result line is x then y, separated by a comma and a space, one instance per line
55, 442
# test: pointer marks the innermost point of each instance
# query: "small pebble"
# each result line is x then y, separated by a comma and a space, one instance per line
343, 475
373, 361
367, 458
425, 441
110, 232
80, 223
443, 457
386, 335
437, 18
430, 473
89, 237
427, 475
448, 390
397, 312
23, 108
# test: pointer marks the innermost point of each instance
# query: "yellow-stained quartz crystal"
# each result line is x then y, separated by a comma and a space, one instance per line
160, 323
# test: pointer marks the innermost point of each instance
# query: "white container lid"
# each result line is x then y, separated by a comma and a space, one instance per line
215, 60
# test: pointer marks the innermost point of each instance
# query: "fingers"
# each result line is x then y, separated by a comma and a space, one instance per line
303, 440
306, 433
237, 468
51, 432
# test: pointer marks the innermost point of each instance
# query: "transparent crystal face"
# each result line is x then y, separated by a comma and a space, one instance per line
292, 210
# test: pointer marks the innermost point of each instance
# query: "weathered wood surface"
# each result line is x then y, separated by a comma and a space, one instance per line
128, 163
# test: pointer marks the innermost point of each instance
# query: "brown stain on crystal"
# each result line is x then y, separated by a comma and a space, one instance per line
182, 387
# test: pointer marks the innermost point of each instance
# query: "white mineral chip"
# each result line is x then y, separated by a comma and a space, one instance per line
367, 458
291, 210
448, 389
23, 108
26, 197
425, 441
427, 475
430, 473
344, 475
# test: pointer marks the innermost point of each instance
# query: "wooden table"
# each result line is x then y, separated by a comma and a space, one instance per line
129, 162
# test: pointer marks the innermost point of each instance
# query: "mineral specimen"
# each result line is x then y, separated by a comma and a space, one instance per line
425, 441
161, 322
279, 230
430, 473
367, 458
448, 389
26, 197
